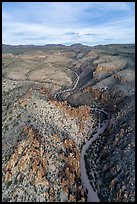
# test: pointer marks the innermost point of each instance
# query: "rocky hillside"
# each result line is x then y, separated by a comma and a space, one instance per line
43, 135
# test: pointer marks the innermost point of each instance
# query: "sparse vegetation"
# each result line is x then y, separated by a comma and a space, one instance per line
43, 137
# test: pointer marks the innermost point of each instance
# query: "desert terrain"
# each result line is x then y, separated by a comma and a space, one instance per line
55, 99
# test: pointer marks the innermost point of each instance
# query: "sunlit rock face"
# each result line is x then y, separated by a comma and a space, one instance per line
43, 135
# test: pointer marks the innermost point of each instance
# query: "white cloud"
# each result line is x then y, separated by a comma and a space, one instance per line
44, 23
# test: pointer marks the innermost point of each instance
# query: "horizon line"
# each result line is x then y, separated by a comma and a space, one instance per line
69, 44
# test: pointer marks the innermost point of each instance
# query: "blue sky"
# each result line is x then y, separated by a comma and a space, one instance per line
89, 23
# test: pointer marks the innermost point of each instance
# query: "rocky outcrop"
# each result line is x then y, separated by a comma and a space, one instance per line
43, 137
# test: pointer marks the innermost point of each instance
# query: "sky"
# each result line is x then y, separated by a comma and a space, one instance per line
88, 23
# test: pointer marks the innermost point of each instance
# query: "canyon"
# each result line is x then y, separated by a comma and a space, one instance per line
55, 102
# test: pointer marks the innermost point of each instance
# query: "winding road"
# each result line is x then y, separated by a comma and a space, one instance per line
91, 194
70, 89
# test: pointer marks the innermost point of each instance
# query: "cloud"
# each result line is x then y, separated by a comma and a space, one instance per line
68, 22
71, 33
91, 34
